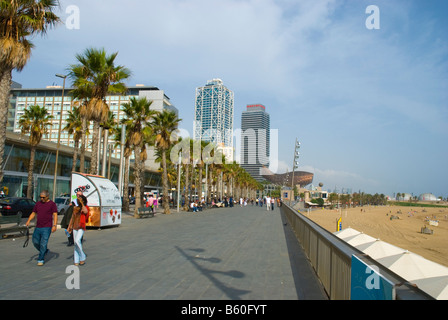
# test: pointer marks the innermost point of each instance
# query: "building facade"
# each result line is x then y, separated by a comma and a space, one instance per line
213, 121
17, 151
255, 140
51, 98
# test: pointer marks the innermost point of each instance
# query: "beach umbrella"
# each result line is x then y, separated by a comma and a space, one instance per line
379, 249
347, 232
437, 287
411, 266
359, 239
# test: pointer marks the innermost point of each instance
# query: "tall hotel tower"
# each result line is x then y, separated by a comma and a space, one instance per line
255, 138
213, 121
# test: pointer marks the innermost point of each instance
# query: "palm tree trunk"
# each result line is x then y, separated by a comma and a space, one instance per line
166, 197
200, 183
29, 191
75, 155
5, 85
137, 180
187, 185
95, 139
82, 156
126, 185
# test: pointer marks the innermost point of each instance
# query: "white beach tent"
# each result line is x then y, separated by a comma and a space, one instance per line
429, 276
437, 287
359, 239
347, 232
411, 266
379, 249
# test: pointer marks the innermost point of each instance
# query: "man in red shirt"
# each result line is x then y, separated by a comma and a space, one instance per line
47, 219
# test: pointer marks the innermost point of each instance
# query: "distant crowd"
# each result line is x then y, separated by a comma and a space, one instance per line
230, 202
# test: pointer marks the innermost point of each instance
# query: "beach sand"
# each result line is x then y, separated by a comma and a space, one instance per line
404, 232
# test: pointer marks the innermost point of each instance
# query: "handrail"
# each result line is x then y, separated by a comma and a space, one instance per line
331, 258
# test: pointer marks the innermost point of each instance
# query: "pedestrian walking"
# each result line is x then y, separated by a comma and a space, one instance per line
272, 203
46, 212
78, 226
150, 203
66, 221
268, 202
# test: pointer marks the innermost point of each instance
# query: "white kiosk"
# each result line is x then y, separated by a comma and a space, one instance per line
103, 199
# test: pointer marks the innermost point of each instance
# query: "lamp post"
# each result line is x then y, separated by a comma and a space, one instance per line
295, 165
59, 136
178, 181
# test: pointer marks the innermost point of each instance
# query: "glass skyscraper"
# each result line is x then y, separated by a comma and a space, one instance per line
255, 140
213, 121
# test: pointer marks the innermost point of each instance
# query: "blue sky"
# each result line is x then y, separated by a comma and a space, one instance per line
369, 106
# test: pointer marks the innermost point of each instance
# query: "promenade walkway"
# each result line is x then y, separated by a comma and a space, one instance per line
235, 253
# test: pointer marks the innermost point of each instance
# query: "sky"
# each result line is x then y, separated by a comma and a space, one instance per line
364, 89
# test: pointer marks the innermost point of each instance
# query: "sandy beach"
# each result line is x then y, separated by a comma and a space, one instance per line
404, 232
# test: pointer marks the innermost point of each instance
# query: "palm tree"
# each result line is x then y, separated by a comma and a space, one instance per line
95, 77
35, 122
19, 20
75, 128
138, 126
107, 126
164, 125
127, 154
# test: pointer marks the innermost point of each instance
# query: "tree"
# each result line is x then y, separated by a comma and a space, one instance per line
127, 154
138, 122
95, 77
35, 122
107, 126
19, 20
75, 128
164, 125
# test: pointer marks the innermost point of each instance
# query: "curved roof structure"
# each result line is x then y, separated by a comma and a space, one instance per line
427, 197
301, 178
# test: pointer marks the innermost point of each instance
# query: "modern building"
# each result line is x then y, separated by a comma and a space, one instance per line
16, 162
255, 140
51, 98
17, 151
213, 121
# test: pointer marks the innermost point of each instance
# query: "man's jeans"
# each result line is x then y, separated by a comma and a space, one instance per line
40, 241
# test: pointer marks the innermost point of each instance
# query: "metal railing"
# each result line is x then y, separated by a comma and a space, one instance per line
331, 258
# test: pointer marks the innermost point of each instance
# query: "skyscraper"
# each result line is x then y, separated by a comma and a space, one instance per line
255, 140
213, 121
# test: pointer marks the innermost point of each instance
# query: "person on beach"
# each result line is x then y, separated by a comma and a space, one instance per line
47, 220
78, 226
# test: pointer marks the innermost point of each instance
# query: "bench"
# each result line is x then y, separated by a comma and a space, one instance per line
17, 219
145, 212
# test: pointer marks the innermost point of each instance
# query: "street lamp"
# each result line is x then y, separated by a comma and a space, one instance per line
59, 135
178, 181
295, 165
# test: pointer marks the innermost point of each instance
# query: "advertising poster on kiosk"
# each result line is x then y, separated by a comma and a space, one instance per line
103, 199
